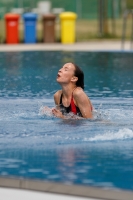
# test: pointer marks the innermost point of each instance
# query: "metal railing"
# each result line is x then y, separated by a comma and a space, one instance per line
127, 12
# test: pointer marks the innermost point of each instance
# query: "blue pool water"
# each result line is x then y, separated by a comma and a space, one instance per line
36, 146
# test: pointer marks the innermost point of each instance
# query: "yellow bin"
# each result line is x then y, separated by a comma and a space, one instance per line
68, 27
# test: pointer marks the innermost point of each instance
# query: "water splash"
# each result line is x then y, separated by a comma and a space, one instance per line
99, 114
45, 111
122, 134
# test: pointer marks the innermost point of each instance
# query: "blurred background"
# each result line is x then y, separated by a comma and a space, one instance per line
97, 19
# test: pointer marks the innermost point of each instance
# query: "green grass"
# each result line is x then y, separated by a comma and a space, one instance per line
86, 30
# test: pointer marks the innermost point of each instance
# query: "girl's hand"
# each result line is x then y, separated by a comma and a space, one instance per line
57, 113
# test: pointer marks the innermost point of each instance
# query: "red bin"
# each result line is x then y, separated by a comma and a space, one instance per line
12, 36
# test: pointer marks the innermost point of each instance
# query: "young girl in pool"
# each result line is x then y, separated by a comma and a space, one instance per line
72, 98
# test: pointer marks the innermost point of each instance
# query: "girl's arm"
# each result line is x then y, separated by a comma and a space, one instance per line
83, 103
56, 112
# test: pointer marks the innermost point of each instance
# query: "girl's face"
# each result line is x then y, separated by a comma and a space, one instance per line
66, 73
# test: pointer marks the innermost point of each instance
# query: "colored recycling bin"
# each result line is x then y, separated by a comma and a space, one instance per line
49, 28
68, 27
30, 27
12, 34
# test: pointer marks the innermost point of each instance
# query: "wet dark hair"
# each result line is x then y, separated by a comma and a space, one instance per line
80, 75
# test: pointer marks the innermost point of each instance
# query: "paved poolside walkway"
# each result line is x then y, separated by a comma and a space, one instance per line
104, 45
15, 194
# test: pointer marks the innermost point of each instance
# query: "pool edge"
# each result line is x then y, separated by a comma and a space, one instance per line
104, 45
60, 188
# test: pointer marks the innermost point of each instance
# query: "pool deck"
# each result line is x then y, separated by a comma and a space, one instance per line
103, 45
22, 189
14, 194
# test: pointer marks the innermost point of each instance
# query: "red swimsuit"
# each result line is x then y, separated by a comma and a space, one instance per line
71, 108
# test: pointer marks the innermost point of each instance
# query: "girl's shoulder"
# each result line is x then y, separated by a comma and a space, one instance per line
78, 91
58, 93
57, 96
80, 94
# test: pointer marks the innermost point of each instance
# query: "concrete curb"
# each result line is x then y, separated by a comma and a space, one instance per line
60, 188
83, 46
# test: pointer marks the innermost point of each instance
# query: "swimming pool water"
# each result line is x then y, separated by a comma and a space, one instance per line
32, 145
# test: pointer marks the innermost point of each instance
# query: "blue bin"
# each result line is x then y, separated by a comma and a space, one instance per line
30, 27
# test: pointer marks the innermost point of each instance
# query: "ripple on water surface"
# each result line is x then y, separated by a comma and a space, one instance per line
90, 152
